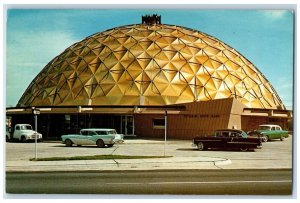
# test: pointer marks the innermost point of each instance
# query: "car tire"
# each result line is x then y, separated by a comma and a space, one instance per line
69, 143
264, 138
23, 139
100, 143
200, 146
110, 145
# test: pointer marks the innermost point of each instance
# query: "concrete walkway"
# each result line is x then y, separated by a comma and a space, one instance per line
119, 164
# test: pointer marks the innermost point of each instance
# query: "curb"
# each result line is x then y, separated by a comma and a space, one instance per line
223, 162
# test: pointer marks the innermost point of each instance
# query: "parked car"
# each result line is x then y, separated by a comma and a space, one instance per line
92, 136
269, 132
119, 138
24, 132
227, 139
7, 133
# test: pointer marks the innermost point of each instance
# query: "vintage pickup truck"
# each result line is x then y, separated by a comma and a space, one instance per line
23, 133
269, 132
227, 138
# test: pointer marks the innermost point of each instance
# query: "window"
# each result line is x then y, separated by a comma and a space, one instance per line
243, 134
101, 132
112, 132
262, 127
234, 134
158, 123
91, 133
84, 133
26, 127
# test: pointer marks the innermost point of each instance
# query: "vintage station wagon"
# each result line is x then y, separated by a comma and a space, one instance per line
93, 136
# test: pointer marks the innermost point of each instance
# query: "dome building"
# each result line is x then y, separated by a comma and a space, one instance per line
130, 77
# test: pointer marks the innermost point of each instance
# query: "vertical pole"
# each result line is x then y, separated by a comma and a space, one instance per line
133, 125
166, 124
35, 119
126, 125
121, 131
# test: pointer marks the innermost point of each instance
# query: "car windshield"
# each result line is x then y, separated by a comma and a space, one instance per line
264, 127
26, 127
244, 134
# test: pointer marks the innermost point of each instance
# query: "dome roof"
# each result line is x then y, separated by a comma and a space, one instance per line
146, 64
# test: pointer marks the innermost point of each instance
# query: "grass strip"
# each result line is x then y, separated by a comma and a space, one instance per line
96, 157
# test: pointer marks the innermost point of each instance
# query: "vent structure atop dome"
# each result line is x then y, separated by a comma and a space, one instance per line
154, 19
149, 64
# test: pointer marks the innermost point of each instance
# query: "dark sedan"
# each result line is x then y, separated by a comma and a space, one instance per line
227, 139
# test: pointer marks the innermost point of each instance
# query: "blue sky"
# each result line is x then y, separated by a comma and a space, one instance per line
34, 37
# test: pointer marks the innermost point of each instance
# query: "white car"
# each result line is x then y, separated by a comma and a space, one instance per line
93, 136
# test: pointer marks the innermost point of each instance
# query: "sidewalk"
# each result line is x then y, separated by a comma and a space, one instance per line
177, 163
118, 165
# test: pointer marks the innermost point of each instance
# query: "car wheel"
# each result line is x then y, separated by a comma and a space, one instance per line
200, 146
110, 145
23, 139
100, 143
69, 143
264, 138
244, 149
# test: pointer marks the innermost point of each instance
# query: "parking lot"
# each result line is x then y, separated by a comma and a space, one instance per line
274, 154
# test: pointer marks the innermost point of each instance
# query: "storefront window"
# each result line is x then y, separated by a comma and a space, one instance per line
158, 123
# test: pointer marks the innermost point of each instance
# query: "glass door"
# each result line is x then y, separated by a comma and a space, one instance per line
127, 125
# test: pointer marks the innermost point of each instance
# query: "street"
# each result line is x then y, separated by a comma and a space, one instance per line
175, 182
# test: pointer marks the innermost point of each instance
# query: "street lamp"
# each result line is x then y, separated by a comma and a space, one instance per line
35, 112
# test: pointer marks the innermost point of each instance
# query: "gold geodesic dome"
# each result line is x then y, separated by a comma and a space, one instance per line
146, 64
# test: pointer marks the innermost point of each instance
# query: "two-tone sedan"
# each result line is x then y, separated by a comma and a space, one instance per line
92, 136
227, 139
269, 132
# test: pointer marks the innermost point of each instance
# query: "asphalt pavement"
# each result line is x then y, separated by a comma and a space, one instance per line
273, 155
178, 182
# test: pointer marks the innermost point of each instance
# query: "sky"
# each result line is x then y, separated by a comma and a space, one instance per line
35, 36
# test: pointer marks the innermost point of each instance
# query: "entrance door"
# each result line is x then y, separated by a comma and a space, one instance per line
127, 125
